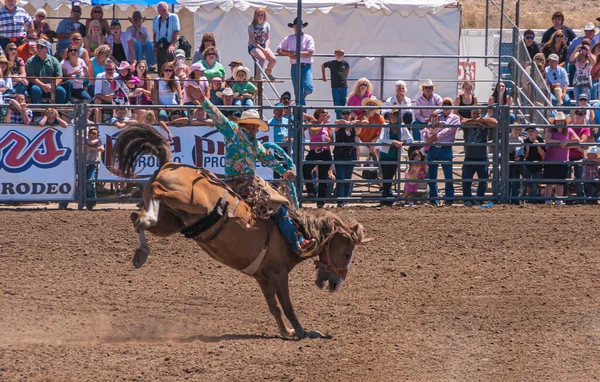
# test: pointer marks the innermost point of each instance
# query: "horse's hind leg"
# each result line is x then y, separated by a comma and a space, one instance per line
274, 307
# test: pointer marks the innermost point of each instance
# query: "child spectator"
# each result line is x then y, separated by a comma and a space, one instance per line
18, 113
122, 120
590, 173
199, 118
259, 38
515, 153
196, 86
415, 171
243, 87
533, 154
52, 118
215, 87
94, 149
393, 137
340, 69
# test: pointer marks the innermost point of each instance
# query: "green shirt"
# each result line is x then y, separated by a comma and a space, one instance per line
246, 87
217, 70
50, 67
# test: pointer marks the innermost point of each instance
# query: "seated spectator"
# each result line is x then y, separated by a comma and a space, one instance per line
532, 47
515, 154
182, 71
415, 171
477, 132
120, 43
393, 137
143, 91
142, 39
18, 112
259, 38
97, 14
27, 49
280, 124
208, 40
17, 69
318, 152
533, 155
105, 84
41, 27
558, 20
121, 120
215, 87
400, 99
52, 118
5, 79
195, 86
340, 70
77, 40
146, 116
66, 28
362, 90
213, 67
232, 66
169, 91
243, 87
582, 61
94, 150
590, 173
370, 134
500, 97
557, 80
199, 118
582, 102
227, 96
94, 39
75, 71
555, 174
558, 46
539, 61
467, 98
129, 80
40, 69
428, 98
101, 54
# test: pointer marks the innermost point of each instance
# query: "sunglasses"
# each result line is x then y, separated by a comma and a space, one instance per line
72, 50
211, 54
41, 16
109, 70
529, 38
4, 63
260, 14
167, 70
76, 39
539, 59
97, 11
361, 85
12, 49
427, 87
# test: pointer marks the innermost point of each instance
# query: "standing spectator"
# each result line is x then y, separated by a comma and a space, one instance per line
557, 80
208, 40
94, 38
467, 98
213, 68
27, 49
17, 69
557, 45
400, 99
558, 20
195, 86
362, 90
532, 47
318, 152
166, 35
589, 35
41, 27
40, 68
393, 137
259, 41
287, 47
169, 91
415, 171
94, 150
576, 153
515, 154
500, 97
18, 112
52, 118
280, 124
478, 131
340, 70
14, 23
534, 155
141, 39
243, 87
97, 14
582, 62
556, 173
371, 134
66, 28
590, 173
143, 92
347, 135
120, 43
75, 70
428, 98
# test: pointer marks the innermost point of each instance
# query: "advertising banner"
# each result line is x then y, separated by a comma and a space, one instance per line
198, 146
36, 163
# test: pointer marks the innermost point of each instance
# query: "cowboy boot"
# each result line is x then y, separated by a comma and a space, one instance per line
306, 246
269, 73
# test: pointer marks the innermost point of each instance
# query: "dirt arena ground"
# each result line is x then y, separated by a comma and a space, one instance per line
469, 294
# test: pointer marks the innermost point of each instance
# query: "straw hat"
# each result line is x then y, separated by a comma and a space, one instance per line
243, 68
227, 92
371, 99
427, 82
593, 150
560, 116
4, 59
251, 116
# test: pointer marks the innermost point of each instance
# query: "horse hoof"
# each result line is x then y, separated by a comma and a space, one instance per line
140, 257
134, 217
315, 334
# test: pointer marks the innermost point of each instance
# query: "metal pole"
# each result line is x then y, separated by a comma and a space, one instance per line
517, 12
504, 140
298, 117
487, 30
500, 52
81, 115
381, 78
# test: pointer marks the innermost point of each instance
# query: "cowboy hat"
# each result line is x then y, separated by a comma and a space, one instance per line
4, 59
372, 99
227, 92
593, 150
589, 26
137, 15
427, 82
244, 69
553, 57
291, 25
124, 65
560, 116
251, 116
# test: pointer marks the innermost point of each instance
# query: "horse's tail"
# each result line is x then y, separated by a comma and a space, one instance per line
137, 140
289, 163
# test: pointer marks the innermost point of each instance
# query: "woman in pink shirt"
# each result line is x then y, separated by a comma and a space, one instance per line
319, 134
362, 89
74, 72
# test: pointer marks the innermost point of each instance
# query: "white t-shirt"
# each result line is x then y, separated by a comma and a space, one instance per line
165, 96
260, 32
68, 69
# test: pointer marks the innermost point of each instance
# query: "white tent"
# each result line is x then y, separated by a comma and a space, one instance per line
369, 27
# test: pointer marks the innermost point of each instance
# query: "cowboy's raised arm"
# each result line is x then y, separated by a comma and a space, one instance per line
266, 158
222, 123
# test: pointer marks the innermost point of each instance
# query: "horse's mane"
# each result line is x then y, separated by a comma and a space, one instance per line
321, 224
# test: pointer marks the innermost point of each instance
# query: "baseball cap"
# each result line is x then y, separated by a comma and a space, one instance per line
44, 43
179, 53
553, 57
115, 22
286, 93
583, 96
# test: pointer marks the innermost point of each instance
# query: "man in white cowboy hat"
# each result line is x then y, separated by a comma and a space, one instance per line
287, 47
243, 86
557, 80
428, 98
228, 96
242, 152
141, 39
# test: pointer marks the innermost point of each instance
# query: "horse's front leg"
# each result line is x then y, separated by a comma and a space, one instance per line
142, 221
283, 294
269, 292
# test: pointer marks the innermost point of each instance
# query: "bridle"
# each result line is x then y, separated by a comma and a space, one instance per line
326, 262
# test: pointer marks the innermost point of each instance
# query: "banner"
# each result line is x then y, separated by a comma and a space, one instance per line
37, 164
198, 146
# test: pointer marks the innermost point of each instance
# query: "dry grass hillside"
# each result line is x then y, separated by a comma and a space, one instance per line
535, 14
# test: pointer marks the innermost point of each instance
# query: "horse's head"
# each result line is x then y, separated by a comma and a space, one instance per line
335, 256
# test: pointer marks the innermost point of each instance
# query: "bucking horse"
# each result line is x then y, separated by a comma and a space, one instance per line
183, 199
